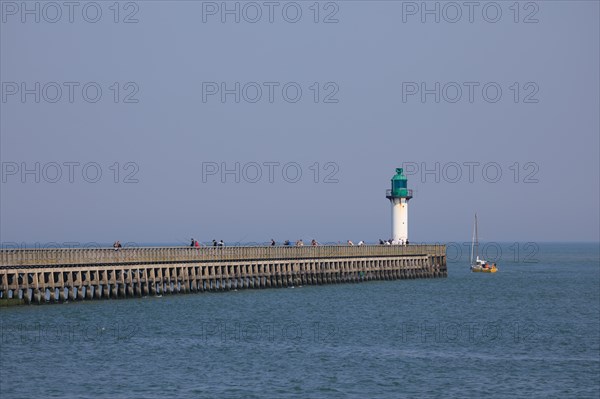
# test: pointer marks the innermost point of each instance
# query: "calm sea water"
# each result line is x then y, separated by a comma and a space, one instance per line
531, 330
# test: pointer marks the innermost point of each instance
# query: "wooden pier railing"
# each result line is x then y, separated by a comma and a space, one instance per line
23, 258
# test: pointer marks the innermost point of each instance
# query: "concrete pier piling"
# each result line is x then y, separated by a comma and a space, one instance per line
57, 275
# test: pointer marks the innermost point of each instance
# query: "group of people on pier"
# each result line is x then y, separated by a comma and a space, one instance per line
298, 243
391, 242
215, 243
360, 243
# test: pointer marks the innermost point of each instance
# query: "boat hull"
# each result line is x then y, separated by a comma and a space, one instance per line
484, 269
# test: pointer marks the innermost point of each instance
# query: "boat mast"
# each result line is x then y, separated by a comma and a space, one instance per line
476, 239
473, 239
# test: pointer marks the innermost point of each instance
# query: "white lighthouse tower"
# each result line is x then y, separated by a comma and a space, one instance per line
399, 195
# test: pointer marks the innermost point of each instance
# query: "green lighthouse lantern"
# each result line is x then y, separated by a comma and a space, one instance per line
400, 186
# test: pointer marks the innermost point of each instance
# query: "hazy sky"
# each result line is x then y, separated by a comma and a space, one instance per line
500, 103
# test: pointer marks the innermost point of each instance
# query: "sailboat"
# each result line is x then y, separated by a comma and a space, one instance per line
477, 264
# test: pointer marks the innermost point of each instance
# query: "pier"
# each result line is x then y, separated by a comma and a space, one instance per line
60, 275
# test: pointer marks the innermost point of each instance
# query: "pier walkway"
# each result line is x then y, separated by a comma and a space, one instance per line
58, 275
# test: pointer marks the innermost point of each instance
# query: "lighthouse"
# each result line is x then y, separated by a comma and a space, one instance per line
399, 195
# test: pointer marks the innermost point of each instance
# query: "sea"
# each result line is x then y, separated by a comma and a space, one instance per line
531, 330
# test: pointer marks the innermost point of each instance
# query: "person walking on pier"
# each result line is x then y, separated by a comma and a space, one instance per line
272, 242
314, 243
193, 243
214, 243
221, 243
